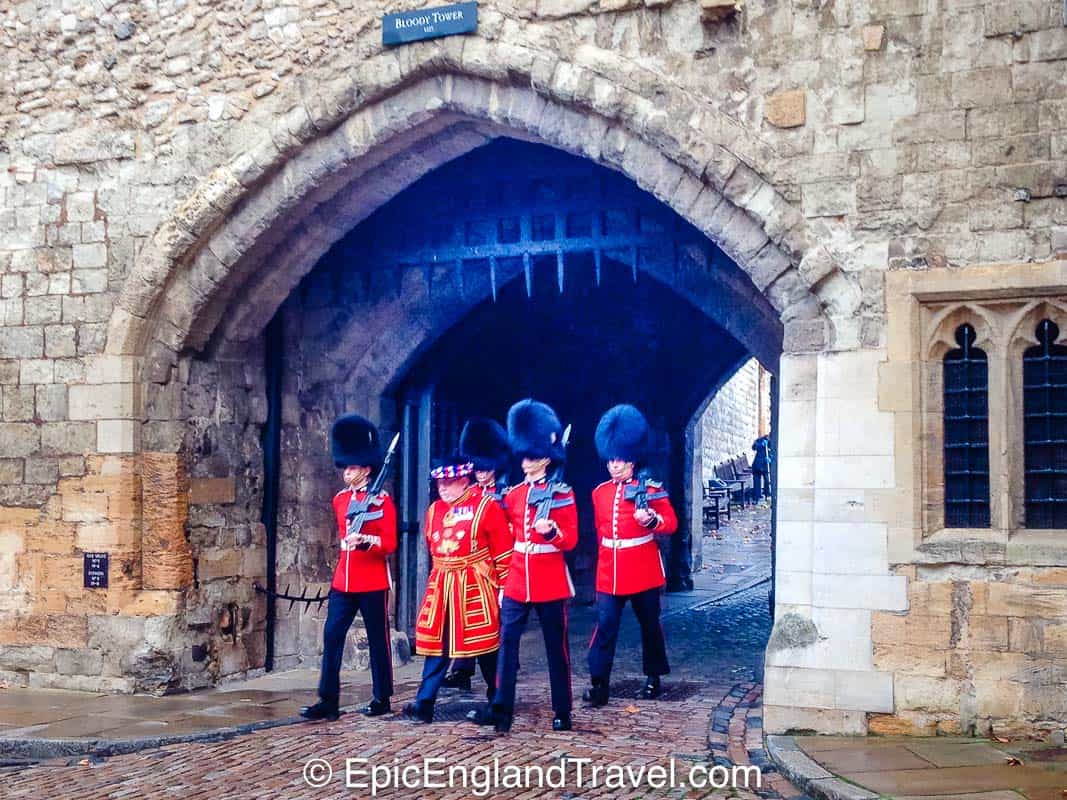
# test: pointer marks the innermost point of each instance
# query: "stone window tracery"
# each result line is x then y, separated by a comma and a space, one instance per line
994, 414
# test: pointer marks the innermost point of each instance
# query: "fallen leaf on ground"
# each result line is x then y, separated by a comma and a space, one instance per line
84, 762
632, 709
1013, 761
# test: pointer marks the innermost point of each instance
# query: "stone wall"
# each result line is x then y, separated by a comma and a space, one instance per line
979, 650
737, 414
169, 172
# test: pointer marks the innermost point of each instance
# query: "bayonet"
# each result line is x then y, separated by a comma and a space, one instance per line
357, 509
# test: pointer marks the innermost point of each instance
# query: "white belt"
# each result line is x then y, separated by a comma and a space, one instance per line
534, 547
622, 544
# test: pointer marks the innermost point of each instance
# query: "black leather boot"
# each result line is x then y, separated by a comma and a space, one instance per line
487, 715
503, 722
652, 688
483, 715
597, 694
375, 708
561, 722
321, 710
419, 711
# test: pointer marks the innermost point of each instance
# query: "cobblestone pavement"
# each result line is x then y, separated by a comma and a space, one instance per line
709, 716
739, 550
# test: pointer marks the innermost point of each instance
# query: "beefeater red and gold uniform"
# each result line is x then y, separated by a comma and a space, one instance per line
365, 570
628, 559
470, 544
538, 570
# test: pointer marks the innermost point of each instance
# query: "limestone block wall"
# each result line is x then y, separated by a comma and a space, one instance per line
836, 485
736, 415
979, 650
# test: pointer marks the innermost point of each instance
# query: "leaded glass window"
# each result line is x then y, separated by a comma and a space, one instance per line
966, 387
1045, 427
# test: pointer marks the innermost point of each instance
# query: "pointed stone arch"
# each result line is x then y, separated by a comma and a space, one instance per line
347, 152
220, 265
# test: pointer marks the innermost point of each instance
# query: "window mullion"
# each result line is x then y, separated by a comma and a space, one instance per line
999, 400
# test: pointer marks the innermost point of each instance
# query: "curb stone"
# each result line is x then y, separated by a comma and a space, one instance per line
704, 604
40, 749
807, 775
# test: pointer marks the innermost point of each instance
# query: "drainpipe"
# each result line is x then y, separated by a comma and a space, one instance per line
271, 439
774, 486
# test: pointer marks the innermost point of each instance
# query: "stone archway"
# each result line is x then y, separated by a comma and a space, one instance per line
358, 324
219, 268
181, 282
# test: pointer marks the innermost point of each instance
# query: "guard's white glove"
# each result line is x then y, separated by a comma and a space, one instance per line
353, 541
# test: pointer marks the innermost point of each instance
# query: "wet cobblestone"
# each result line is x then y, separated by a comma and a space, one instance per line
711, 716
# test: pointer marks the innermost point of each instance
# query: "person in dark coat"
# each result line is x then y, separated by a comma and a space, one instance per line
761, 469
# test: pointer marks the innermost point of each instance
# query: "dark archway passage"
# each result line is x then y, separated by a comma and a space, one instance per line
582, 351
514, 270
584, 311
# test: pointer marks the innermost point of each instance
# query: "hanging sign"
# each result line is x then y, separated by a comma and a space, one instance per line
429, 23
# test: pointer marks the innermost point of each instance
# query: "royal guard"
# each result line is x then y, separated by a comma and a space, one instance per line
366, 526
628, 511
470, 544
544, 524
484, 443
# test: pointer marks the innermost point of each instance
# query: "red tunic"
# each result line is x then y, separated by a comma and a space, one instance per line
365, 570
628, 559
470, 544
538, 571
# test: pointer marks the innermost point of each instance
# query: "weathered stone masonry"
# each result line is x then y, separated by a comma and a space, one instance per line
172, 171
736, 415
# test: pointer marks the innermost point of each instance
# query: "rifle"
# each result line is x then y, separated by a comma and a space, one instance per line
357, 509
543, 498
639, 493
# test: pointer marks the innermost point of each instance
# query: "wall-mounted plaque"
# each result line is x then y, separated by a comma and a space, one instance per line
95, 570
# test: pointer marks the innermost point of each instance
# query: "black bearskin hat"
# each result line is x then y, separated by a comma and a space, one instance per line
485, 442
354, 441
622, 434
534, 431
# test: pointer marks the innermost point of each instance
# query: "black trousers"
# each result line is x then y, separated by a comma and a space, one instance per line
606, 634
340, 613
761, 484
553, 618
435, 668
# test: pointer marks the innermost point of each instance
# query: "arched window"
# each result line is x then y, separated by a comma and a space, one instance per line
966, 384
1045, 427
